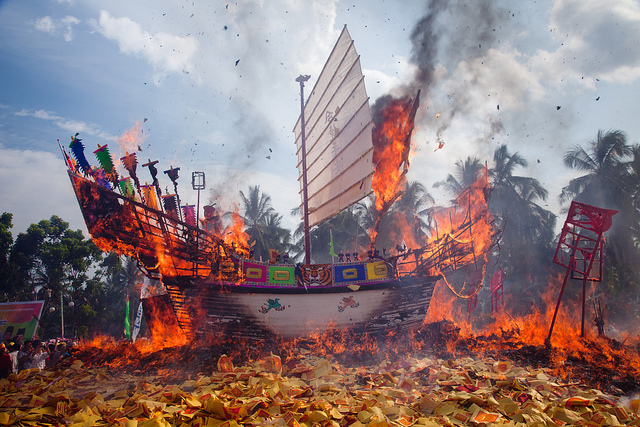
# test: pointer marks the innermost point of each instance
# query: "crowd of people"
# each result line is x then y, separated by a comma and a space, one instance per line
16, 355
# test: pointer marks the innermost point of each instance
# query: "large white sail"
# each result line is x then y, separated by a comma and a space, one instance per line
338, 135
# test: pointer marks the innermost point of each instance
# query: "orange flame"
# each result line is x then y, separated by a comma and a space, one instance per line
131, 140
234, 234
392, 143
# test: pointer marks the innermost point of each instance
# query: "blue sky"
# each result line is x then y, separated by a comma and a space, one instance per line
216, 83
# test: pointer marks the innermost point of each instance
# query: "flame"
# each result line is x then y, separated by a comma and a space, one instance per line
392, 143
132, 139
234, 234
460, 238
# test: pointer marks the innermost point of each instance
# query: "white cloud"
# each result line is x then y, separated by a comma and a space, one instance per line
39, 188
53, 26
598, 39
66, 124
45, 24
381, 83
165, 52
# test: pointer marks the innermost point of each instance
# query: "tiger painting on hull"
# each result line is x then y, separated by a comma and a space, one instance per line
314, 275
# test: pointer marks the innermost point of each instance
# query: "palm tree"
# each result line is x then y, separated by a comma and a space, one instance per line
347, 228
275, 236
262, 223
611, 181
467, 172
605, 167
256, 210
407, 221
528, 229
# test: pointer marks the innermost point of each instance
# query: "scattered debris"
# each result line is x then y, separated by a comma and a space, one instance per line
307, 390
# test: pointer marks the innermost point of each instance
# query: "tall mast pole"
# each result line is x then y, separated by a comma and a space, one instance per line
305, 198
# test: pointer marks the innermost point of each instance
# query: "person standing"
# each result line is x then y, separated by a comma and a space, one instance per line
24, 356
40, 356
13, 354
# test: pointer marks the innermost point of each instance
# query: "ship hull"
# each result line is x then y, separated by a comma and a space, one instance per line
213, 290
209, 309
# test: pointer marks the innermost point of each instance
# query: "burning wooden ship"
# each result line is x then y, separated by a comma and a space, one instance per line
212, 282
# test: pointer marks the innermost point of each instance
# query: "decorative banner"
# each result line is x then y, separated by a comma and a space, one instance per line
20, 318
377, 270
316, 275
104, 158
281, 275
150, 196
100, 178
170, 205
189, 214
126, 187
77, 150
130, 163
497, 295
127, 325
254, 272
332, 251
581, 236
350, 273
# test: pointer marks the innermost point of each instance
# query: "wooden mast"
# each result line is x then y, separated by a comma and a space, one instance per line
305, 198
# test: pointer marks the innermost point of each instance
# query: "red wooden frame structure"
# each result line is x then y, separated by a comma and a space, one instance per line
580, 247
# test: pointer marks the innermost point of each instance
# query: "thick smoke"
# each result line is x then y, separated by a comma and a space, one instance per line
454, 34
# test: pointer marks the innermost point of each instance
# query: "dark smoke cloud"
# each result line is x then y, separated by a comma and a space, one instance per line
425, 38
451, 33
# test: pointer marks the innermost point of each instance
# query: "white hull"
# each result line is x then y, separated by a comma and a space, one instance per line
202, 311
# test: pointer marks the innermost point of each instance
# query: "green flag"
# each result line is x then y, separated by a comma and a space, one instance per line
127, 325
332, 252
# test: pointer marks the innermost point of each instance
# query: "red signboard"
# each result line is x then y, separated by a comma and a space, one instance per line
581, 237
20, 318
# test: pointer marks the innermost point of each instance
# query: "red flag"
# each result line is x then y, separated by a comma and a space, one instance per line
497, 295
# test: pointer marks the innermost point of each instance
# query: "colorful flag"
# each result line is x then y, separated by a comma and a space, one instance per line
332, 252
127, 325
137, 323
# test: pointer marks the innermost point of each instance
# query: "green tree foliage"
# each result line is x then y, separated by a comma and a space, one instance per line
105, 296
263, 224
528, 229
348, 230
466, 173
611, 181
51, 260
406, 223
7, 279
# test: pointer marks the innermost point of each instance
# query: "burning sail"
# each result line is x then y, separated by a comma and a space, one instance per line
338, 135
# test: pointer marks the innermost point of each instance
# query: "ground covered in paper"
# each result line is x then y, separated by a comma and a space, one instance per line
122, 384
